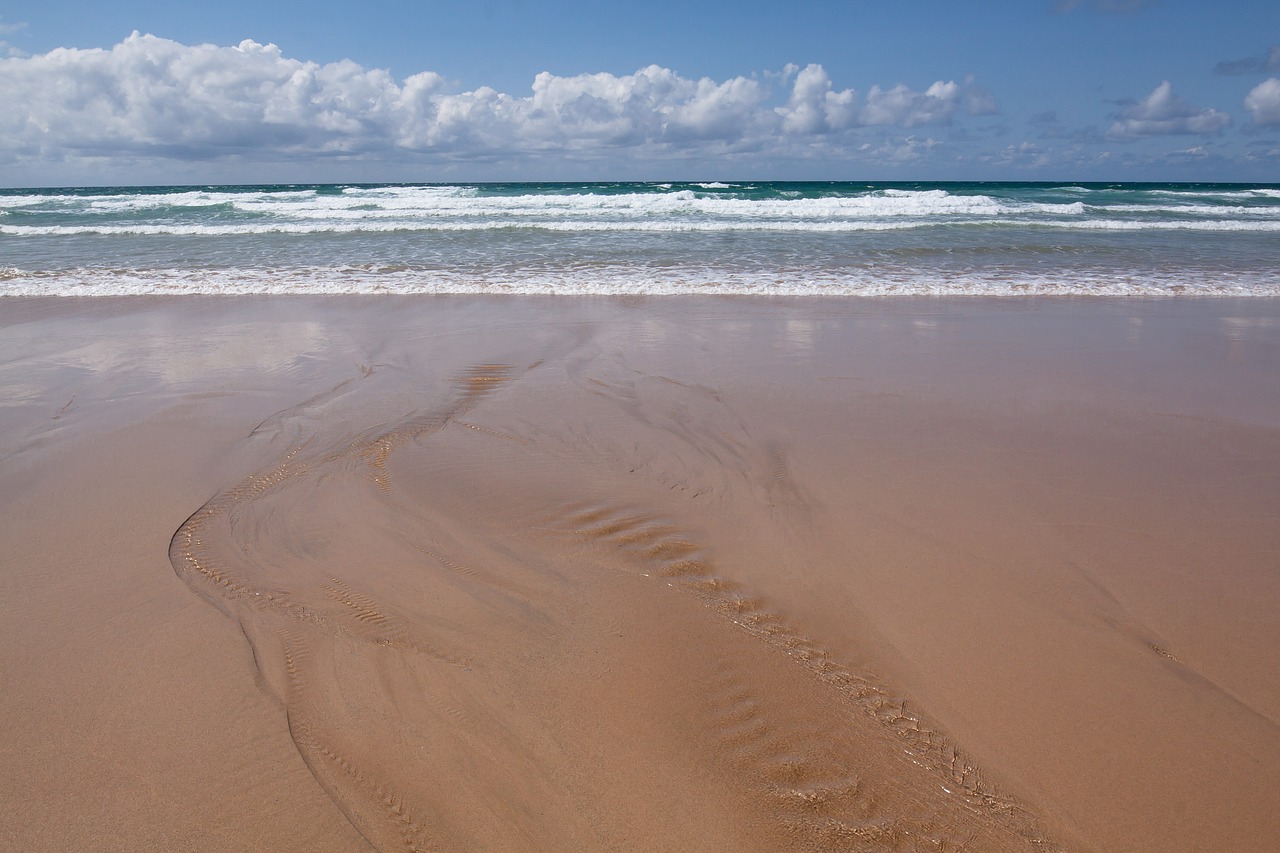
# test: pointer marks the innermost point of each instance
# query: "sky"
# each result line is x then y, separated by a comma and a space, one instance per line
145, 92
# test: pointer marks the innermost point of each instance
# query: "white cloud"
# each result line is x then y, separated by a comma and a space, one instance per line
149, 94
1163, 112
722, 111
901, 106
814, 107
1263, 102
908, 150
154, 98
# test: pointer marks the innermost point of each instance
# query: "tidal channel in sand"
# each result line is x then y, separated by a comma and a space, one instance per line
468, 573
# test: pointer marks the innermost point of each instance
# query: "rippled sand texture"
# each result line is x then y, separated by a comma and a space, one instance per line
487, 574
495, 624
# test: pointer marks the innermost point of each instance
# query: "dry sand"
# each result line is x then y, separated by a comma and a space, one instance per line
665, 574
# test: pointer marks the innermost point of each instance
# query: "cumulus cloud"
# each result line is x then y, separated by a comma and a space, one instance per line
153, 97
1265, 64
814, 106
903, 107
152, 94
1162, 112
1263, 102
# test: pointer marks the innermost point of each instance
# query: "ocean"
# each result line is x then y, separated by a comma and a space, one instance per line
762, 238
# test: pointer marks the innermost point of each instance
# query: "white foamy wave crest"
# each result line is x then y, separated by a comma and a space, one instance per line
467, 202
362, 225
31, 200
126, 203
614, 281
1169, 225
1252, 193
1185, 209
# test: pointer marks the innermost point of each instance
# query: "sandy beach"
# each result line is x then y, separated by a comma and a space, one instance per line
523, 573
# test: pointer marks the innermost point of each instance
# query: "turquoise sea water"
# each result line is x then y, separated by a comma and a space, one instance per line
645, 238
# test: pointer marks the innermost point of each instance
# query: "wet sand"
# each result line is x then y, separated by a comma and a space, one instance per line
450, 573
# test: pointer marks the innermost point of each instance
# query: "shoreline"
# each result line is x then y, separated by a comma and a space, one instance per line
1035, 531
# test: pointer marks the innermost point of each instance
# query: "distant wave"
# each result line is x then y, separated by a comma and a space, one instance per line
435, 202
679, 208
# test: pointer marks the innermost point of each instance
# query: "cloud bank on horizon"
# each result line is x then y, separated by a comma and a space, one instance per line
153, 96
165, 107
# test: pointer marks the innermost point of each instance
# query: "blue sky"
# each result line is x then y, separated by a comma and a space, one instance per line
1054, 90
